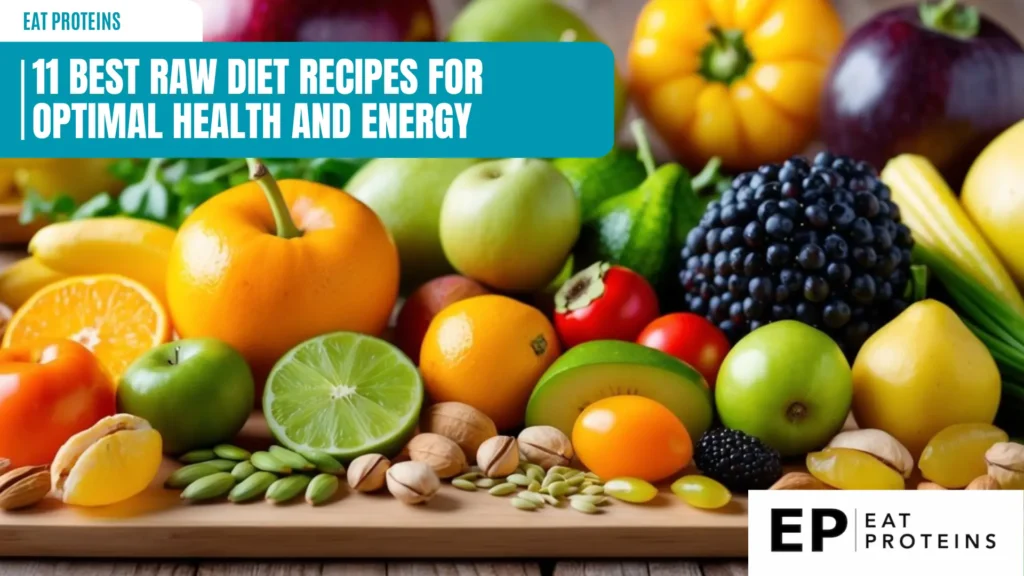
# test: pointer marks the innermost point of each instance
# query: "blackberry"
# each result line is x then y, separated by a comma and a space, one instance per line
812, 240
737, 460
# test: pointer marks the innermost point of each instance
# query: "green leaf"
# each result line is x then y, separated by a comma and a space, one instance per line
100, 205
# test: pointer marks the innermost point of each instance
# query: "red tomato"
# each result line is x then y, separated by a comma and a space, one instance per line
604, 302
692, 339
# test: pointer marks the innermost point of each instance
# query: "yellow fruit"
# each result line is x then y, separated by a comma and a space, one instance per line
79, 178
922, 372
19, 281
111, 462
137, 249
848, 469
114, 317
994, 198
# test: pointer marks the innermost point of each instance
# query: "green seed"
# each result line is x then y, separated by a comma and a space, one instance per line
229, 452
243, 470
291, 459
321, 488
186, 475
523, 504
571, 490
560, 470
268, 463
470, 476
551, 500
222, 465
575, 480
535, 474
558, 489
324, 462
252, 487
209, 487
519, 480
466, 485
583, 506
533, 486
593, 477
551, 479
486, 483
503, 489
532, 497
196, 456
595, 500
287, 488
593, 490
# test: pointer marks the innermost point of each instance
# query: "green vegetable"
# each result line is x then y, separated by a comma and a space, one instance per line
167, 190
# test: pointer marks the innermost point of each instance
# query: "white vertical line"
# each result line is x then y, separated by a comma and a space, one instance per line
23, 100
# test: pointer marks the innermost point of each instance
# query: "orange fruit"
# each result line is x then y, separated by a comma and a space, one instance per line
631, 436
115, 317
488, 352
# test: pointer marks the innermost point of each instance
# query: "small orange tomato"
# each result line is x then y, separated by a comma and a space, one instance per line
631, 436
49, 391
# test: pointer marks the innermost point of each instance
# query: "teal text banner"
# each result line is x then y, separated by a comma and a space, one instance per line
294, 100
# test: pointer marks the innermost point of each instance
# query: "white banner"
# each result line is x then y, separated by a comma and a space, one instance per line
100, 21
933, 533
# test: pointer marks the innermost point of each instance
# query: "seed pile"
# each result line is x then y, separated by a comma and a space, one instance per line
533, 488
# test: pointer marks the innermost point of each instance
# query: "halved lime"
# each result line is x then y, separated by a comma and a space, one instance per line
344, 393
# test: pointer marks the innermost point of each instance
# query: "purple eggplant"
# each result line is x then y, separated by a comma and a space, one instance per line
936, 79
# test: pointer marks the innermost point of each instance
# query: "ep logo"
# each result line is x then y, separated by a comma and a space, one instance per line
824, 523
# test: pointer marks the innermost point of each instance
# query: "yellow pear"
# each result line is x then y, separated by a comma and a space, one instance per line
922, 372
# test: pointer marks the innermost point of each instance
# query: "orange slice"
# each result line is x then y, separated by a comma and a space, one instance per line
115, 317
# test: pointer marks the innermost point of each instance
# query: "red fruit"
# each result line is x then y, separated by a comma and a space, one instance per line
692, 339
604, 302
423, 304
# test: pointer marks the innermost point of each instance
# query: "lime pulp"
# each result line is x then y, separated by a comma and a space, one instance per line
345, 394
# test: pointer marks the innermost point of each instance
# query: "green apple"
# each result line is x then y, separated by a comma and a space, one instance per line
197, 393
787, 384
528, 21
406, 194
510, 223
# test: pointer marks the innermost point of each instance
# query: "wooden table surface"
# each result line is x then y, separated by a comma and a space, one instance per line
613, 19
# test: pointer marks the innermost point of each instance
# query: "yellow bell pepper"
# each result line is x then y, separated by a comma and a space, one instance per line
936, 220
737, 79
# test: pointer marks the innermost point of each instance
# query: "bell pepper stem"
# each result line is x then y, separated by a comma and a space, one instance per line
726, 58
643, 146
951, 18
283, 222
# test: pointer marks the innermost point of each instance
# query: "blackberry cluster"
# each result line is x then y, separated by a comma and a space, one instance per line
740, 462
818, 242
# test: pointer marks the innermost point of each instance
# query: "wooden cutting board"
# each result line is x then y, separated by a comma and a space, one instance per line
455, 524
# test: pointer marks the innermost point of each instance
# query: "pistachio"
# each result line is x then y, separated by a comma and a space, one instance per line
291, 459
985, 482
229, 452
196, 456
186, 475
367, 472
412, 482
252, 487
460, 423
799, 481
287, 489
268, 463
209, 487
879, 444
930, 486
243, 470
323, 461
1006, 464
503, 489
498, 456
439, 452
24, 487
466, 485
545, 445
321, 489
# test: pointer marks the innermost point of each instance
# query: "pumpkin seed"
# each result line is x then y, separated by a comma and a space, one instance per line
533, 486
464, 485
486, 483
324, 462
560, 470
519, 480
209, 487
583, 506
252, 487
229, 452
523, 504
469, 476
243, 470
550, 479
291, 459
186, 475
532, 497
503, 489
551, 500
269, 463
593, 490
287, 488
558, 489
196, 456
321, 488
595, 500
575, 480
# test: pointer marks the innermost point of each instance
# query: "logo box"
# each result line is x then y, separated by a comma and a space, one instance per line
860, 532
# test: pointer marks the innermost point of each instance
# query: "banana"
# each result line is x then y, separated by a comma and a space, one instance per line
24, 278
138, 249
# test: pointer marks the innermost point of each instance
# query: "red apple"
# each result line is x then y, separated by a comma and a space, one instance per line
317, 20
423, 304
